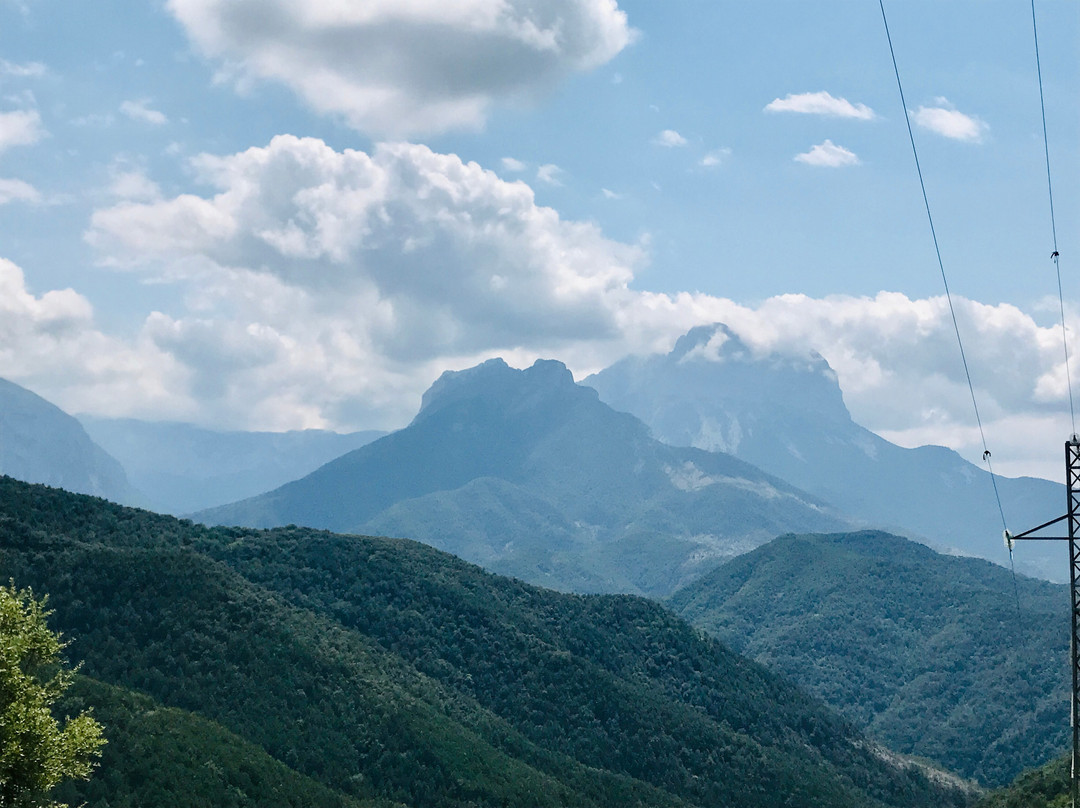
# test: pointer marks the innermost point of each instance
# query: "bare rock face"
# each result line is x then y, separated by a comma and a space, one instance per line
786, 415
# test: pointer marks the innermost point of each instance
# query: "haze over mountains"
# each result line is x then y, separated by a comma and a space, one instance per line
182, 468
787, 416
529, 474
40, 443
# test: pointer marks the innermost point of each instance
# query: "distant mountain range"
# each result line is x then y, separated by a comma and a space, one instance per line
933, 655
40, 443
787, 416
530, 475
341, 670
182, 468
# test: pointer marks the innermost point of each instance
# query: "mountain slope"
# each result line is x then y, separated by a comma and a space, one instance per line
40, 443
182, 468
384, 668
928, 652
786, 415
159, 755
530, 475
1045, 787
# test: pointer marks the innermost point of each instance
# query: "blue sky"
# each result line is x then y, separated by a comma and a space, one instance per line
280, 214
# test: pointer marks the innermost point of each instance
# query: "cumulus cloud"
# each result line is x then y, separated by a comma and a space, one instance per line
829, 155
669, 138
821, 103
406, 66
20, 128
514, 165
899, 366
141, 111
50, 344
17, 191
947, 121
352, 266
328, 288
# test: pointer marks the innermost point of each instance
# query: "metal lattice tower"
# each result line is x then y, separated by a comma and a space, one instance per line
1072, 484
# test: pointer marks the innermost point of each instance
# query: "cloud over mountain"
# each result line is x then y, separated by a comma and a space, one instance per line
406, 66
325, 288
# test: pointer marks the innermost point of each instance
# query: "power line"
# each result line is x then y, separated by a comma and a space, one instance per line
1053, 222
941, 266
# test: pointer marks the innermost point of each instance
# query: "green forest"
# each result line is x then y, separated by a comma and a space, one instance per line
291, 666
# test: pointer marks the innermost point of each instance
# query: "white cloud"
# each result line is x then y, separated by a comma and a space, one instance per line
829, 155
899, 367
407, 66
609, 194
511, 164
50, 344
821, 103
945, 120
141, 111
17, 191
715, 158
25, 70
669, 138
327, 288
549, 174
20, 128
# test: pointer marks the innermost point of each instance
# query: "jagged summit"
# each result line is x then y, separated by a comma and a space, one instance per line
785, 413
530, 474
547, 379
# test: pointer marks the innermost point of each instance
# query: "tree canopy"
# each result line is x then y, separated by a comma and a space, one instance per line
37, 752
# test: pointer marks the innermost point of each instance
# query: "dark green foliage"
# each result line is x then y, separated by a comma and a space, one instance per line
384, 668
162, 756
1046, 787
927, 652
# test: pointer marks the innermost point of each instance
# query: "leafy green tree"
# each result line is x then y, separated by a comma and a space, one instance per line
36, 752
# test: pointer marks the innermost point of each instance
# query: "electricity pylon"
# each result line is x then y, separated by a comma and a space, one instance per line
1072, 485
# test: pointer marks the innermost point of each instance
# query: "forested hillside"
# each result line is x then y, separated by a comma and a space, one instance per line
1045, 787
163, 756
931, 654
384, 669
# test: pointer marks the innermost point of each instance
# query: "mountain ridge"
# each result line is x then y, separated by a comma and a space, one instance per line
936, 656
785, 414
611, 509
40, 443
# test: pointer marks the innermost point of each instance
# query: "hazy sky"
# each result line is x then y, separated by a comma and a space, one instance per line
296, 213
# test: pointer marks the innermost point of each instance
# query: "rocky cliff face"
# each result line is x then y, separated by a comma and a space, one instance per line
786, 415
